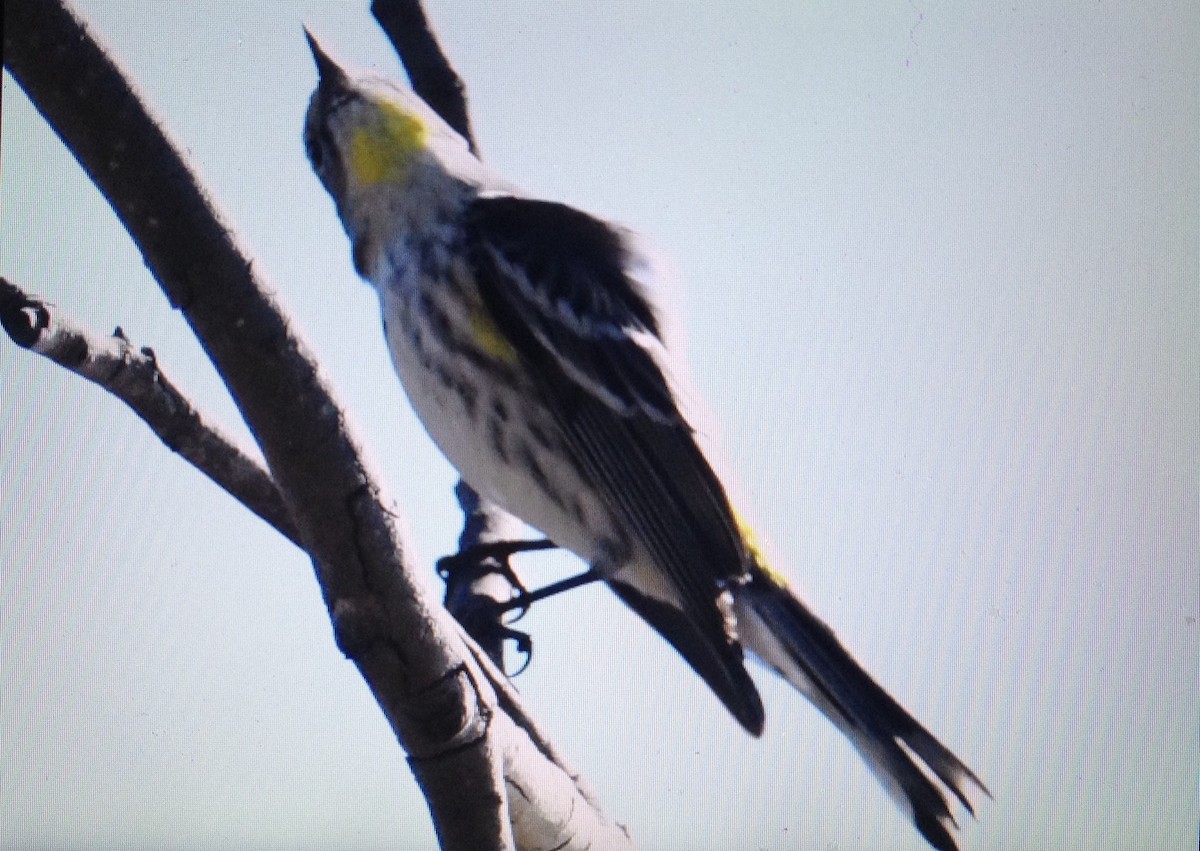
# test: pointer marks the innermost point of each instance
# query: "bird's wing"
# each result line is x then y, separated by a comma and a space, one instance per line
556, 282
562, 273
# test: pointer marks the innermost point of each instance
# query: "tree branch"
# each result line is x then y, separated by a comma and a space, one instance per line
408, 653
433, 687
429, 71
134, 376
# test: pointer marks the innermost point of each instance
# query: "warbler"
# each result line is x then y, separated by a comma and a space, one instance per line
525, 336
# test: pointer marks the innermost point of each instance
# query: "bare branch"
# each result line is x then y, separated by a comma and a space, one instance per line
434, 688
134, 376
405, 647
429, 71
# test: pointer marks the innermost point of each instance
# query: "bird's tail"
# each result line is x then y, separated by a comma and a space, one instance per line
777, 627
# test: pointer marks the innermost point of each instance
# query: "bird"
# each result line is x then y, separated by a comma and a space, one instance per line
527, 337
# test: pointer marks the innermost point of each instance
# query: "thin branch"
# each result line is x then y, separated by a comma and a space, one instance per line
429, 71
430, 686
407, 650
135, 377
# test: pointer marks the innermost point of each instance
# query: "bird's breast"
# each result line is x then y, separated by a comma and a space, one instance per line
466, 386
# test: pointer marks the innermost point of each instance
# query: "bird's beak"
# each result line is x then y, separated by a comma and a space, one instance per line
329, 72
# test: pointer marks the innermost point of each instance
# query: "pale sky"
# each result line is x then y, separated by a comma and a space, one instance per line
939, 270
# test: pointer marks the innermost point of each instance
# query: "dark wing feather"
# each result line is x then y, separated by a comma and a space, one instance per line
554, 281
563, 274
653, 476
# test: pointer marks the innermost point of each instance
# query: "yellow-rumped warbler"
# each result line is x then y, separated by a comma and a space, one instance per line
523, 333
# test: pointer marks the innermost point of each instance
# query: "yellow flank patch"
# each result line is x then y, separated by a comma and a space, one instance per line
488, 337
384, 149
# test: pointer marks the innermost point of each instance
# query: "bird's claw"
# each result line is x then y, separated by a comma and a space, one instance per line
491, 557
524, 644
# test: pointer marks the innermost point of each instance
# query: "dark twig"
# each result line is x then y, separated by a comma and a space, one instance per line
429, 71
438, 698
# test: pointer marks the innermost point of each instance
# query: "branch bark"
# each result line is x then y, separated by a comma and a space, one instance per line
429, 71
544, 797
435, 690
134, 376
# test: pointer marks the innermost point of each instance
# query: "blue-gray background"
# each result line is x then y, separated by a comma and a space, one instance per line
940, 278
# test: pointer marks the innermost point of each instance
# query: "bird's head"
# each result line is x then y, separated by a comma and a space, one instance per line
361, 134
388, 160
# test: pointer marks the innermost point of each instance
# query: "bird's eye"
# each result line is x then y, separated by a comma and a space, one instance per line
325, 157
316, 149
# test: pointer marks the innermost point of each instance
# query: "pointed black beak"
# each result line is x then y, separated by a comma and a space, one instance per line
328, 71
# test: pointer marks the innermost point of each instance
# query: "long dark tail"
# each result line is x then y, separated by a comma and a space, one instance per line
777, 627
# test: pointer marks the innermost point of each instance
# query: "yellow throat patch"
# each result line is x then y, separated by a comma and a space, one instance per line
384, 149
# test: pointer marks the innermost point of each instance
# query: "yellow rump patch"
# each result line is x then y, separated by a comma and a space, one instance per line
754, 548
